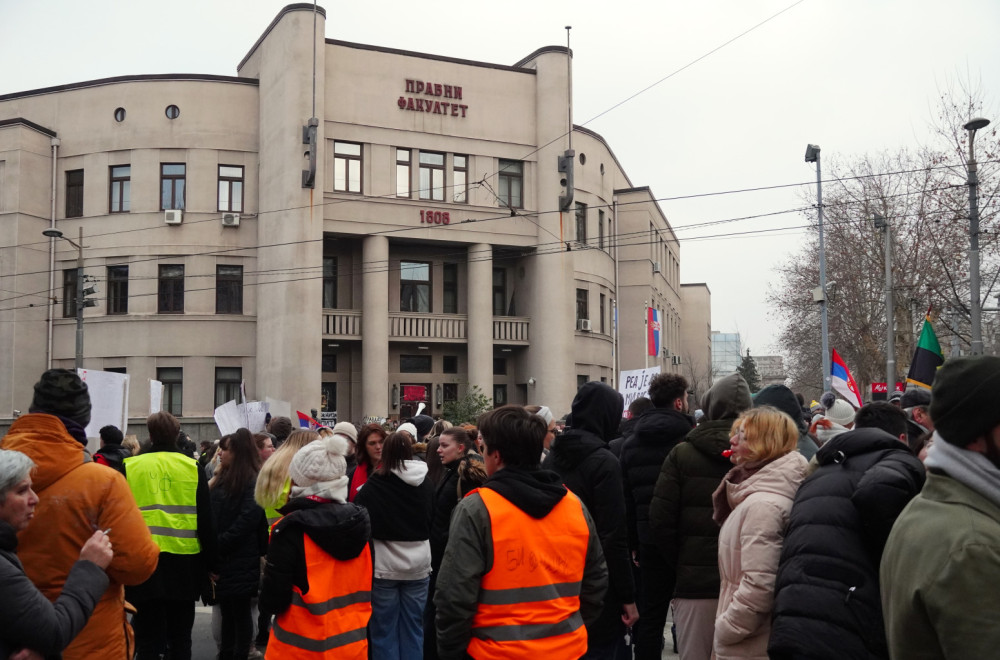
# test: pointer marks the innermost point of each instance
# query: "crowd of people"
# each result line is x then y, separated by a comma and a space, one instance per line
759, 526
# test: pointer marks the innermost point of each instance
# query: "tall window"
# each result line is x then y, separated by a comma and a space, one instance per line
499, 395
450, 392
581, 222
450, 289
117, 289
69, 292
120, 193
499, 366
173, 389
414, 286
415, 364
402, 173
431, 175
582, 304
499, 292
330, 282
460, 175
231, 188
602, 312
449, 364
511, 183
74, 193
172, 185
347, 167
170, 289
600, 228
227, 384
228, 290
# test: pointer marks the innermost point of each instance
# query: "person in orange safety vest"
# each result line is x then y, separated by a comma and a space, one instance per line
318, 576
523, 572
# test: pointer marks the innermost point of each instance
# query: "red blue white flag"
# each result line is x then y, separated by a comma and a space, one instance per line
653, 331
843, 381
307, 422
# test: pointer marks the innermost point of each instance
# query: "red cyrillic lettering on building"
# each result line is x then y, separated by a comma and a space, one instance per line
437, 89
419, 87
454, 110
447, 91
464, 108
458, 92
401, 103
410, 86
409, 104
437, 107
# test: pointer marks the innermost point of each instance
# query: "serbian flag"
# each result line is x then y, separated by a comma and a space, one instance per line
307, 422
843, 381
653, 331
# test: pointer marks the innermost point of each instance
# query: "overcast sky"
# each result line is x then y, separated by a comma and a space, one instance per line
852, 76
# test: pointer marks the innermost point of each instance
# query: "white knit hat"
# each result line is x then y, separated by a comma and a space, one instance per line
840, 412
319, 461
409, 428
347, 430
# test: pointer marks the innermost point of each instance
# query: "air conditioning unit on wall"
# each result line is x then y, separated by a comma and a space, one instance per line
230, 219
173, 216
656, 267
583, 325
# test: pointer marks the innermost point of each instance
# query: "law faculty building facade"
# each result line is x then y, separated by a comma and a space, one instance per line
429, 256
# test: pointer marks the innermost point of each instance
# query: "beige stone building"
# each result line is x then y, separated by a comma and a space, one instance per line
430, 256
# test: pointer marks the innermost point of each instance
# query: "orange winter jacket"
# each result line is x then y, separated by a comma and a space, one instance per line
77, 497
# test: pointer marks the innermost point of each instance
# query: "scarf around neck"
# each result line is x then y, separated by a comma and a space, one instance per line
970, 468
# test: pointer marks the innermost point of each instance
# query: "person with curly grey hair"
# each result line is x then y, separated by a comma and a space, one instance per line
30, 625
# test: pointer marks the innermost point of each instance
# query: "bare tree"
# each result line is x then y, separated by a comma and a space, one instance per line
923, 195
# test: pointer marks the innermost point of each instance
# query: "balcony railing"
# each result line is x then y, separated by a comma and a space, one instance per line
405, 326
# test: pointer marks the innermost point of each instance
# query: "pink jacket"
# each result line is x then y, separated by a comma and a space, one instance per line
749, 549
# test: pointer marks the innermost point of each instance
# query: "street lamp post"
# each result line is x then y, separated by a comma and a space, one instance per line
812, 156
55, 233
975, 309
890, 315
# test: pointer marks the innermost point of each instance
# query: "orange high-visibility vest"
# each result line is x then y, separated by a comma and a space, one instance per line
529, 601
331, 620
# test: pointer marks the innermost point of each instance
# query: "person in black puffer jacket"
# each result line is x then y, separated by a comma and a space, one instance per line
581, 457
656, 433
680, 515
827, 598
242, 530
463, 472
627, 426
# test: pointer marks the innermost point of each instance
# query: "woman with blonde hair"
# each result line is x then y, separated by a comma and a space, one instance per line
273, 482
752, 505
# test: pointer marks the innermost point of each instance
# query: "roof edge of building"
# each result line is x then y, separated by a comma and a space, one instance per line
145, 77
14, 121
430, 56
299, 6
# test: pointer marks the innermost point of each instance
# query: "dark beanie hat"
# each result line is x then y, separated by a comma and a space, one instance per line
61, 392
281, 427
965, 399
917, 396
424, 424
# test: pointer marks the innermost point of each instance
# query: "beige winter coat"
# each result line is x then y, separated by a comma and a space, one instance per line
749, 549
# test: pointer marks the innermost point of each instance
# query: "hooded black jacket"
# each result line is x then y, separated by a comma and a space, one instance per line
680, 515
657, 431
469, 555
581, 457
827, 599
341, 530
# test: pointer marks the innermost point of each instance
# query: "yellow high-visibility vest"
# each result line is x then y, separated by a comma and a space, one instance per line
165, 486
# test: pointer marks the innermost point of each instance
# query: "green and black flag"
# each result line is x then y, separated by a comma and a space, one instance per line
927, 358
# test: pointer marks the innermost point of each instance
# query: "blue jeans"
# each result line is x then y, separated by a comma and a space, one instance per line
396, 627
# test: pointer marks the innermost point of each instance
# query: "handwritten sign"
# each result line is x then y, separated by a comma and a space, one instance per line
634, 383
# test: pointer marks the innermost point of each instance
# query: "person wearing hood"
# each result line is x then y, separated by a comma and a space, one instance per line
111, 452
752, 505
680, 515
319, 553
827, 603
657, 432
782, 398
78, 497
400, 503
581, 457
521, 534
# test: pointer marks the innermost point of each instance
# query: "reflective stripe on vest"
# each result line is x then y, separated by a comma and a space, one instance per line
165, 486
331, 620
529, 601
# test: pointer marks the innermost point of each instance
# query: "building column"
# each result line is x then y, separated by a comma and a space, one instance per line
375, 327
479, 296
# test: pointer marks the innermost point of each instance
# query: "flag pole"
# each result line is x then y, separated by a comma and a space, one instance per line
645, 323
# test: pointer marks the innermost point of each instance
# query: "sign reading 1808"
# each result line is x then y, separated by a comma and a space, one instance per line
429, 217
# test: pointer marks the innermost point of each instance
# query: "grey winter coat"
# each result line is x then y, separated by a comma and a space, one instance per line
28, 619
